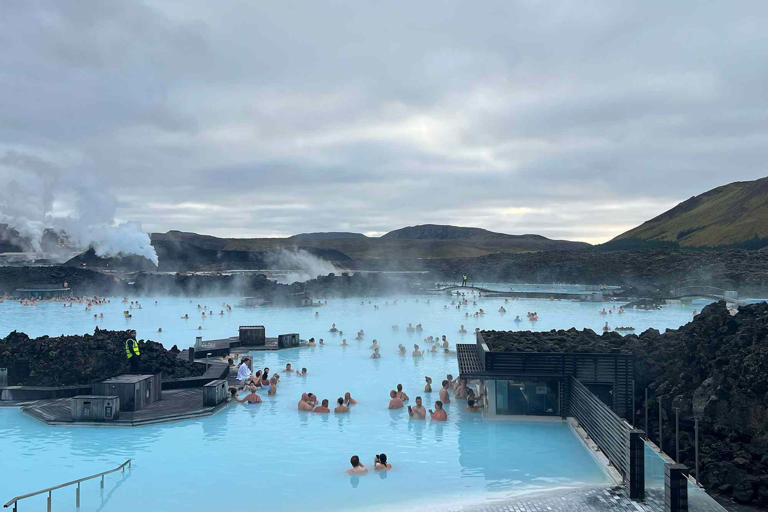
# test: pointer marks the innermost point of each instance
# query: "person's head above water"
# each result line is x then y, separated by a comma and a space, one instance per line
325, 402
445, 383
340, 401
418, 401
382, 458
399, 387
393, 393
355, 461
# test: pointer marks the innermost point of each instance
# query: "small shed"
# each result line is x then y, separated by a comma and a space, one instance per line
134, 391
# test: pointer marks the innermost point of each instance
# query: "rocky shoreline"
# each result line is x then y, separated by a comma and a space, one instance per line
73, 360
715, 366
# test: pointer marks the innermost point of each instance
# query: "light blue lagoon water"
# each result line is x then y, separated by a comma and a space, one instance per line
273, 457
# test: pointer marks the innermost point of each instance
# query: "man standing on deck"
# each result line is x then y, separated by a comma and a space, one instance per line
464, 278
132, 351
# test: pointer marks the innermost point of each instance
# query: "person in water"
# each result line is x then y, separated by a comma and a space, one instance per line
428, 386
323, 407
444, 392
341, 408
474, 405
304, 404
380, 463
303, 372
394, 402
416, 351
375, 354
357, 466
251, 398
401, 394
417, 412
348, 400
288, 368
439, 413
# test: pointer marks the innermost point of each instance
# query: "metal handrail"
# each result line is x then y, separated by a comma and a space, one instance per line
15, 500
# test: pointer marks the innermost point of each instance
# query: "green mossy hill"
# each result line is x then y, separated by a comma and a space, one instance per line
70, 360
733, 215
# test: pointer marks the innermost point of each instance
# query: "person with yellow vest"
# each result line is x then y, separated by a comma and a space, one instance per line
132, 352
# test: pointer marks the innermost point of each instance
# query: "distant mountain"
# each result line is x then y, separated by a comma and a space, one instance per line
330, 235
733, 215
446, 232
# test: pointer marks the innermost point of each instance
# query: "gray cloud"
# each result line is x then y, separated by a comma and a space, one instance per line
570, 119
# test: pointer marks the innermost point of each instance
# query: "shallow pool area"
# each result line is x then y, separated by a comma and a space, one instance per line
274, 457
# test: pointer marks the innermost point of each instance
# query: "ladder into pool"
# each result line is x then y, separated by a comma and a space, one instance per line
15, 500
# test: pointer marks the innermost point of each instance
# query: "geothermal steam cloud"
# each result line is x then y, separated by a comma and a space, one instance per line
301, 264
36, 196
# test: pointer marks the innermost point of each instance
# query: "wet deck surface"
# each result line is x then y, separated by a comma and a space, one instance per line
174, 405
583, 499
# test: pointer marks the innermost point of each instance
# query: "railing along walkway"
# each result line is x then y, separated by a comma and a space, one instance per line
15, 500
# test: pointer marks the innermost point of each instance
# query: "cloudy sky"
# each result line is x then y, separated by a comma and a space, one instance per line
573, 120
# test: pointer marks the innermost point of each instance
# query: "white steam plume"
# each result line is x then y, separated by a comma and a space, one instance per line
302, 265
36, 196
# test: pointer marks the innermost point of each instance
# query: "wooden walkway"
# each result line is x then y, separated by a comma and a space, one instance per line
178, 404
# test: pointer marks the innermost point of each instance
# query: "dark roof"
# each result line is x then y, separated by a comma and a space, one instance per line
470, 365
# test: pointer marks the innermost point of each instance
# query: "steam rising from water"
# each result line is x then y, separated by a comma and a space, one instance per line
36, 196
301, 264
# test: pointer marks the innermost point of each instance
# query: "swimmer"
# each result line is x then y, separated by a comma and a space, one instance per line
272, 386
344, 342
311, 342
348, 400
199, 327
374, 345
380, 463
417, 412
462, 330
333, 328
428, 387
606, 327
416, 351
317, 314
375, 354
159, 329
303, 372
321, 341
323, 407
357, 467
288, 368
401, 348
439, 413
394, 402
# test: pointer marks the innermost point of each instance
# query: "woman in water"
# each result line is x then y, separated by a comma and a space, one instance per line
380, 463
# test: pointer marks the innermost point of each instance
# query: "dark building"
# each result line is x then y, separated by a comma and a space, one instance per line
527, 382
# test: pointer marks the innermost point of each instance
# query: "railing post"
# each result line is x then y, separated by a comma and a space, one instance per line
77, 496
49, 501
677, 434
675, 488
661, 431
102, 481
646, 409
636, 465
696, 441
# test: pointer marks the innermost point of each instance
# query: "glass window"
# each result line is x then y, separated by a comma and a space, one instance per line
530, 397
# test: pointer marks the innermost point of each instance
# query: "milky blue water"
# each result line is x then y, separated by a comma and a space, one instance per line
273, 457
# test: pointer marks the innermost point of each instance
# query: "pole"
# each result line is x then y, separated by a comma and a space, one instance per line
77, 496
696, 441
661, 431
646, 410
633, 403
677, 434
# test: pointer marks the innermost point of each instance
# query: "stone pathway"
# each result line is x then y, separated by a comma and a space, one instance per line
584, 499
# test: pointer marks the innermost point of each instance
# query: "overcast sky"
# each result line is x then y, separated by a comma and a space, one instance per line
573, 120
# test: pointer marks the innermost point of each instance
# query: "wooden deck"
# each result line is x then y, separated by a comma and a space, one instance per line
178, 404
